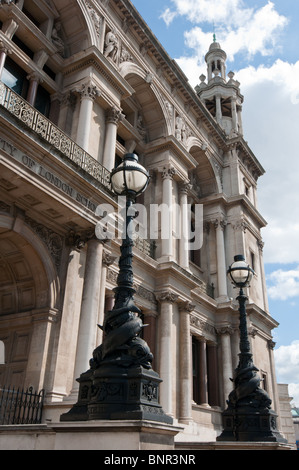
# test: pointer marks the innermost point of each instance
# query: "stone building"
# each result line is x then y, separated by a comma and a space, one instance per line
83, 82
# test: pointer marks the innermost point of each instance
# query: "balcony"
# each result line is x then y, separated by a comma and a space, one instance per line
38, 123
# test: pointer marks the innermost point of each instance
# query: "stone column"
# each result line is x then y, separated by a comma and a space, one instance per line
37, 372
213, 375
167, 225
66, 349
218, 109
240, 122
150, 333
88, 93
221, 261
234, 114
113, 118
166, 342
185, 229
271, 345
226, 360
263, 277
185, 363
203, 378
89, 307
4, 51
34, 81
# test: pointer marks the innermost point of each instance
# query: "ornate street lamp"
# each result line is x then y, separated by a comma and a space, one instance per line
121, 383
248, 416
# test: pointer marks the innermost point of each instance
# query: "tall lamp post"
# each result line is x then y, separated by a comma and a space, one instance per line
121, 383
248, 416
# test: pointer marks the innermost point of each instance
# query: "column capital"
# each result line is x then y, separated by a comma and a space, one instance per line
168, 172
240, 224
34, 77
225, 330
4, 47
88, 91
167, 296
114, 115
260, 244
108, 259
271, 344
185, 187
186, 306
220, 222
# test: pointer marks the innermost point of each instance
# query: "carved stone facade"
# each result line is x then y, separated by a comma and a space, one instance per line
75, 96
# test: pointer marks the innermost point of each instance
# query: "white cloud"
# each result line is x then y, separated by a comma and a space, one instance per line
228, 11
270, 117
283, 284
287, 368
271, 107
239, 29
168, 16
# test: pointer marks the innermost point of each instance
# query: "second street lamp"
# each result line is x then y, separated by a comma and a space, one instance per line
248, 416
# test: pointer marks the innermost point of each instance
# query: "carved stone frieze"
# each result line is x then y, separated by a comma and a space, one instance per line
52, 240
140, 290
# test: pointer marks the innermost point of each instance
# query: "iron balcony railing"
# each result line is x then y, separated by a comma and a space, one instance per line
37, 122
20, 406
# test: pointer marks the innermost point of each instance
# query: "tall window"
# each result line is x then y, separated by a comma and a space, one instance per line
15, 78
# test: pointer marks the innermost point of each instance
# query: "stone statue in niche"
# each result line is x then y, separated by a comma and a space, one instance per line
56, 37
111, 45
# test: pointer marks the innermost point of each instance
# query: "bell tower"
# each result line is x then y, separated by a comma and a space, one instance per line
221, 93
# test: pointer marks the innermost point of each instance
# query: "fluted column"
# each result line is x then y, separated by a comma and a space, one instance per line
221, 261
34, 81
167, 222
185, 363
113, 118
226, 359
166, 343
89, 307
88, 94
185, 229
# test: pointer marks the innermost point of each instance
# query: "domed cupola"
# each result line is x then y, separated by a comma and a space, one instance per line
221, 94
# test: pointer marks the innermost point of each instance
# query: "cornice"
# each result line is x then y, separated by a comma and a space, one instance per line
91, 57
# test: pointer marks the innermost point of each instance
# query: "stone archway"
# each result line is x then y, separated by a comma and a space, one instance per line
205, 174
26, 296
144, 110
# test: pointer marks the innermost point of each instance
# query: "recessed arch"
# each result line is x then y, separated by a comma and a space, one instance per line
146, 101
205, 172
28, 277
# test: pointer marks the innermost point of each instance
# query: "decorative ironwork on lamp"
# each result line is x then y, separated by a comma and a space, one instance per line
121, 383
248, 416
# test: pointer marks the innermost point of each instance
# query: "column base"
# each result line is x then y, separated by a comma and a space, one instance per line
116, 393
247, 424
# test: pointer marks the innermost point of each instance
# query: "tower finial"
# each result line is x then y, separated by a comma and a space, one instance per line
214, 37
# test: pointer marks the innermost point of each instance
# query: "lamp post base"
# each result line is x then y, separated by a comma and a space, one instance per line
250, 425
115, 393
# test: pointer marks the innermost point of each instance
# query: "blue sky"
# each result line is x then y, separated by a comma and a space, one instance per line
261, 40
